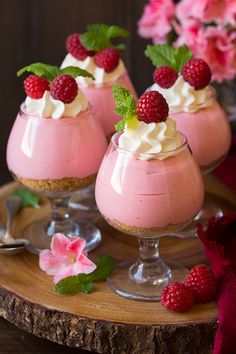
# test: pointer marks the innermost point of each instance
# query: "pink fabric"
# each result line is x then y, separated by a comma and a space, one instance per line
65, 258
219, 240
156, 20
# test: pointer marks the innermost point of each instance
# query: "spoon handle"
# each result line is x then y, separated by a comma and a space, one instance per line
13, 205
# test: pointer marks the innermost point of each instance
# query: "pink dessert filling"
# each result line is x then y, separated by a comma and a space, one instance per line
149, 194
103, 104
208, 132
44, 148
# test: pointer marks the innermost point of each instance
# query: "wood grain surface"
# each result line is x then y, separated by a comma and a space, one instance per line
103, 321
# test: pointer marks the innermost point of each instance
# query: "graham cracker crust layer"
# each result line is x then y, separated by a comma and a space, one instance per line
57, 185
148, 231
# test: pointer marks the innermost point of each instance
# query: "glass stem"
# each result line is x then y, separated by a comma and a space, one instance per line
60, 218
150, 268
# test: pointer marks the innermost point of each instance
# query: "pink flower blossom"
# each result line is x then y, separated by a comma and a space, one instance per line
156, 20
222, 12
65, 258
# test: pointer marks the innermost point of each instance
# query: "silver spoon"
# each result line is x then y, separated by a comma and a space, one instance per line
9, 245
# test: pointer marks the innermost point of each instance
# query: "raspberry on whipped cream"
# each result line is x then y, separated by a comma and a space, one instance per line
182, 97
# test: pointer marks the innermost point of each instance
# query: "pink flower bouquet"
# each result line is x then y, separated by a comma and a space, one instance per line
207, 27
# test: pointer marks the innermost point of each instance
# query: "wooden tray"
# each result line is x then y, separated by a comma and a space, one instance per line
102, 321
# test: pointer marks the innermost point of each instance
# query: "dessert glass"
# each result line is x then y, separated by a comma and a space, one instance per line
103, 107
55, 158
148, 199
209, 136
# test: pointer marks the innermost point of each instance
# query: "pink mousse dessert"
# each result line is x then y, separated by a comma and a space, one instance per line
148, 182
194, 107
55, 144
101, 59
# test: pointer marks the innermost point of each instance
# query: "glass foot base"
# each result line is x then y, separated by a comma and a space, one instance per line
212, 206
121, 283
84, 200
40, 237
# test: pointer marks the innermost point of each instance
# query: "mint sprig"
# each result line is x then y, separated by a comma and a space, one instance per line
125, 106
166, 55
98, 36
28, 198
84, 282
49, 72
41, 69
75, 71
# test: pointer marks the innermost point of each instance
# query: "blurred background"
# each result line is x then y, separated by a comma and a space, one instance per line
35, 31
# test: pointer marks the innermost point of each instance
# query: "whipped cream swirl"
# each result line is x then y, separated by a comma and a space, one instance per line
146, 141
101, 77
48, 107
182, 97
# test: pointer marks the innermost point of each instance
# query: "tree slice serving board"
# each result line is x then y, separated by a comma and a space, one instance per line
102, 321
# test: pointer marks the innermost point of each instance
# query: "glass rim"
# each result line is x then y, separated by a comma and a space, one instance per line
22, 110
154, 154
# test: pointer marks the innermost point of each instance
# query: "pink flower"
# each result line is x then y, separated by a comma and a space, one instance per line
190, 33
156, 20
65, 258
216, 45
222, 12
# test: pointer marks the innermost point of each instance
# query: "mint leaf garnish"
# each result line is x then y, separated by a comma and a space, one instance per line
41, 69
105, 266
182, 55
160, 55
75, 71
84, 282
98, 36
164, 54
125, 105
74, 284
50, 71
28, 198
116, 31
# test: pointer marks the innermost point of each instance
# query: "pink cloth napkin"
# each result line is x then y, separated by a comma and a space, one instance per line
219, 240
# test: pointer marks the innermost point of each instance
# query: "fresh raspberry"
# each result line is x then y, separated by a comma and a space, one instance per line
108, 59
152, 107
76, 49
197, 73
202, 283
165, 76
35, 86
177, 297
64, 88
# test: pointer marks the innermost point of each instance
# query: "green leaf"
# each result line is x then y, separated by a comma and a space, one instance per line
125, 105
182, 55
105, 266
74, 284
165, 54
116, 31
120, 46
161, 54
120, 126
28, 198
98, 36
41, 69
75, 71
